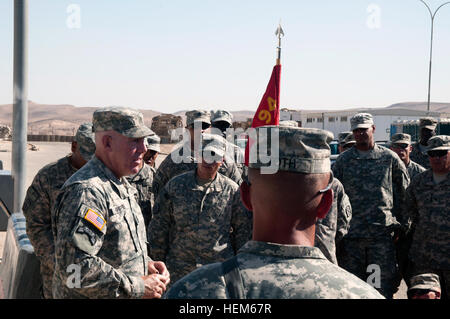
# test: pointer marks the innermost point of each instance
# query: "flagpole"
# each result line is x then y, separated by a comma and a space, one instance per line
279, 32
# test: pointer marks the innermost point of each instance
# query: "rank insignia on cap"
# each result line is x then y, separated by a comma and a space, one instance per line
95, 219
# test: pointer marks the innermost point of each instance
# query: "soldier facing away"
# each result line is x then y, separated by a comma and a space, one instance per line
429, 206
41, 196
198, 217
375, 180
100, 237
280, 261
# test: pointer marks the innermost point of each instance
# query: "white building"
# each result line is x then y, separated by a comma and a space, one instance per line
339, 121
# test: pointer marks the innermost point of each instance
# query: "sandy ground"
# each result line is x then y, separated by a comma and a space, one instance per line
51, 151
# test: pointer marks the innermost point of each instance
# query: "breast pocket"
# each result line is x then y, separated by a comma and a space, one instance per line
122, 228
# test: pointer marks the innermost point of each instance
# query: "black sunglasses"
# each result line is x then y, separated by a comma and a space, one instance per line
438, 153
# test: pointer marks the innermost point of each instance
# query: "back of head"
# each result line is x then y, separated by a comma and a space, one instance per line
302, 159
86, 141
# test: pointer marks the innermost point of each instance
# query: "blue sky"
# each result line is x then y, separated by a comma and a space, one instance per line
171, 55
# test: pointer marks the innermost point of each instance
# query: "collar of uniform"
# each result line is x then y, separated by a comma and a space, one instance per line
429, 181
216, 184
66, 159
124, 188
375, 153
141, 175
287, 251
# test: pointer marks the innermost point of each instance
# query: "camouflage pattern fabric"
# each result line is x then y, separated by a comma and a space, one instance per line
419, 157
429, 205
359, 255
99, 235
331, 229
169, 169
143, 181
376, 184
276, 271
414, 169
193, 225
40, 197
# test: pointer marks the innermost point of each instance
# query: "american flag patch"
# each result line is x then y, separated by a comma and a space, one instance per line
95, 219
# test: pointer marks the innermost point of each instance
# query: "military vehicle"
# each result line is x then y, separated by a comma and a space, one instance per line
165, 126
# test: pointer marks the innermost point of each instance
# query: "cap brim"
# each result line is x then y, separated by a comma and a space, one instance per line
225, 119
362, 125
155, 148
401, 142
138, 132
429, 127
439, 148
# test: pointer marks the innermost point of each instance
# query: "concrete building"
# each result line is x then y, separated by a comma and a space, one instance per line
339, 121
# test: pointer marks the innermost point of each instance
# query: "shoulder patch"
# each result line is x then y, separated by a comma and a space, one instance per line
95, 219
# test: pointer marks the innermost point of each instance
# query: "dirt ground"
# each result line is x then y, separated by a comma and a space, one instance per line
51, 151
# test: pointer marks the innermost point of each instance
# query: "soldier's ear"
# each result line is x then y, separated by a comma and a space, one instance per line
74, 147
325, 204
107, 141
245, 195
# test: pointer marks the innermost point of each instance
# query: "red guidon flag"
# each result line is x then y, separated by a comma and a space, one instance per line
268, 112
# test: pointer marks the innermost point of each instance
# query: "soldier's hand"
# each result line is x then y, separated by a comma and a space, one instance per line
158, 267
154, 286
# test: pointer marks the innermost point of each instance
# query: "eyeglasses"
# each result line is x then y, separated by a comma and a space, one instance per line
438, 153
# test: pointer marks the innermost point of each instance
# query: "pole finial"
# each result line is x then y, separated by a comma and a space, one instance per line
279, 33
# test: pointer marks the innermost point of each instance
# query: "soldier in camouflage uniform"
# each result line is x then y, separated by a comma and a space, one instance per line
401, 145
100, 237
221, 121
427, 129
143, 180
280, 261
183, 158
331, 229
375, 180
198, 217
341, 140
41, 196
429, 206
349, 142
424, 286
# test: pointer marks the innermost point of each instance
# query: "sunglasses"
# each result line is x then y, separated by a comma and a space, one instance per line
439, 153
401, 146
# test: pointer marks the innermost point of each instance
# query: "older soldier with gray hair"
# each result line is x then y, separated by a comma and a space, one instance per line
41, 196
281, 262
429, 206
100, 237
427, 129
375, 180
185, 157
198, 217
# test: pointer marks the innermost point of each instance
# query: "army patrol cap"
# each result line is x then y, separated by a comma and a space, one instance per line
289, 123
361, 120
342, 136
128, 122
152, 142
425, 281
428, 123
86, 140
348, 140
401, 138
300, 150
439, 143
198, 116
222, 115
213, 147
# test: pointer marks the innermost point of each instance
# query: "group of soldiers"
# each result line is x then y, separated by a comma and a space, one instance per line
105, 223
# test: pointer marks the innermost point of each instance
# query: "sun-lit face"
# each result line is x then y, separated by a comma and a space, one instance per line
364, 137
403, 151
127, 154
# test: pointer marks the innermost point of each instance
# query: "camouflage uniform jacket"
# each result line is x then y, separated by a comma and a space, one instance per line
37, 206
376, 184
193, 225
414, 169
429, 205
143, 181
419, 157
276, 271
168, 168
331, 229
99, 237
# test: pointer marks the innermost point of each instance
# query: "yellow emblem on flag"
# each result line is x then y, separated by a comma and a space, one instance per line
95, 219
